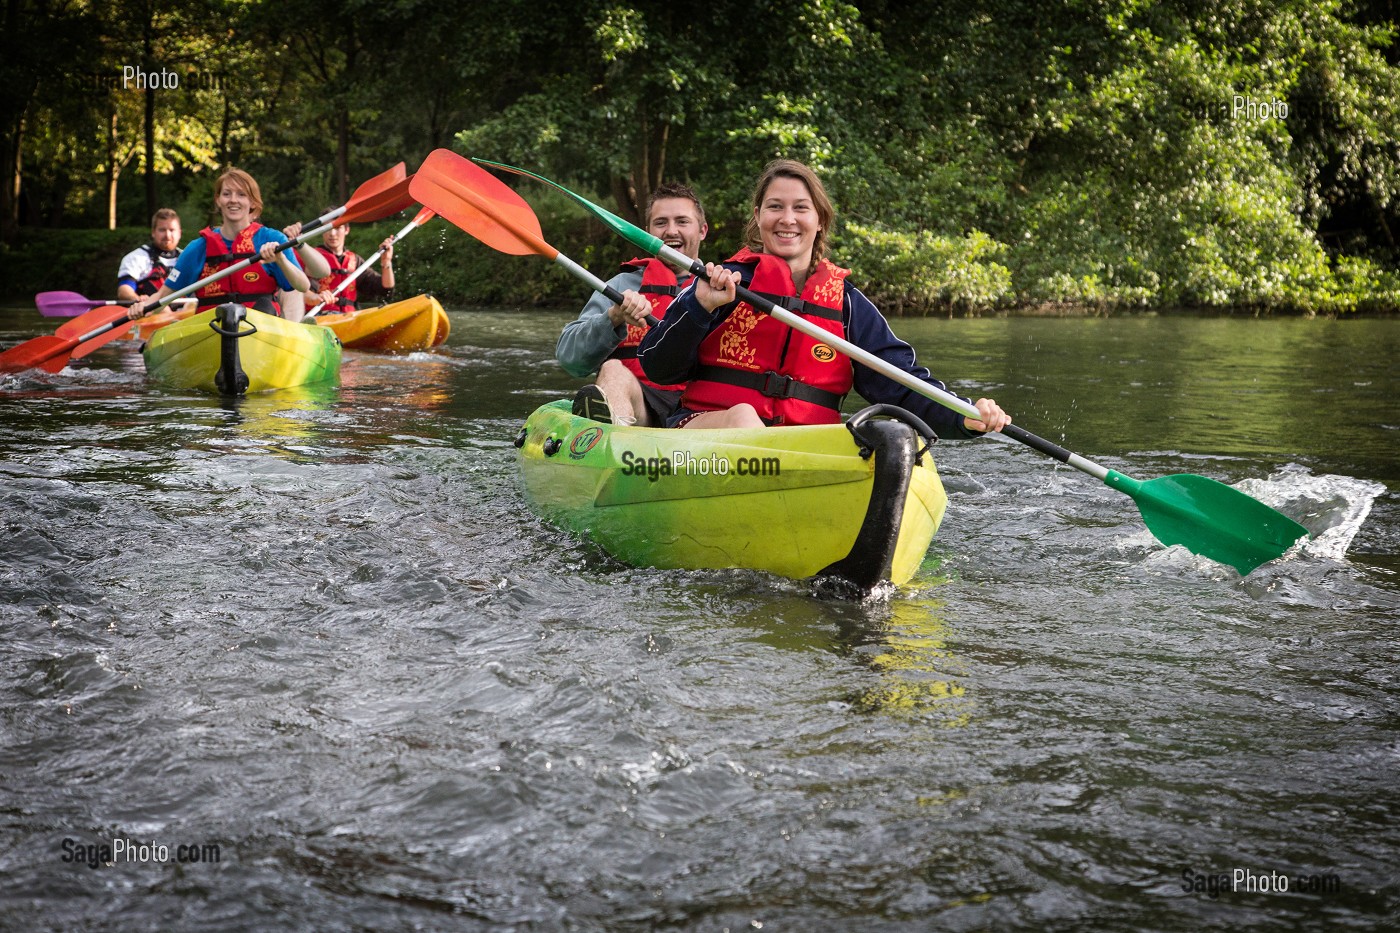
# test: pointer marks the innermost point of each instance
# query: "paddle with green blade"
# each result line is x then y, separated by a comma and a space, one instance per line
1204, 516
483, 206
380, 196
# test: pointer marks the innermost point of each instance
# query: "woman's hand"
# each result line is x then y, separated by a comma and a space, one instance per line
718, 287
993, 418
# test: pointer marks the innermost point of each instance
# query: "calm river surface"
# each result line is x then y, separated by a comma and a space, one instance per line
321, 632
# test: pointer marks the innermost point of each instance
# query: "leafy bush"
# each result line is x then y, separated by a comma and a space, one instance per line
921, 272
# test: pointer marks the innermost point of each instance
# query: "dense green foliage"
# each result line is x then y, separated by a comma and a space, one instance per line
1100, 152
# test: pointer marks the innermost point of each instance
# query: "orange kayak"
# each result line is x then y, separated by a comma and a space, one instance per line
402, 327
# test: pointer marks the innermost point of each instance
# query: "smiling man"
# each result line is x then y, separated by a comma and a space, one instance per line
605, 336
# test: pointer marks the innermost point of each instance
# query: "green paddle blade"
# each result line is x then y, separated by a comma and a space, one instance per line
1211, 519
628, 231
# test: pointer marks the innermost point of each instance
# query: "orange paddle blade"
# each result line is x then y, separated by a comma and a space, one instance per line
83, 349
53, 351
384, 194
50, 352
479, 203
41, 351
91, 321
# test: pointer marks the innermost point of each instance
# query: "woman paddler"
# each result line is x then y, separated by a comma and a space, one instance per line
239, 237
745, 369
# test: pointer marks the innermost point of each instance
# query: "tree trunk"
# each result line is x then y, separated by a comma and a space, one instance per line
624, 192
150, 139
224, 128
11, 165
151, 205
113, 169
342, 152
12, 142
648, 169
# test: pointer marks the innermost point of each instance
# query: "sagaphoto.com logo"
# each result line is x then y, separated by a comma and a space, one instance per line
155, 78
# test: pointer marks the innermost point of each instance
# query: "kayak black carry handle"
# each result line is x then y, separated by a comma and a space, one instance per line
894, 413
230, 315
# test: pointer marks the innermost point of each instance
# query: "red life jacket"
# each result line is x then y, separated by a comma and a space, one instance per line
162, 260
341, 267
245, 286
660, 287
787, 377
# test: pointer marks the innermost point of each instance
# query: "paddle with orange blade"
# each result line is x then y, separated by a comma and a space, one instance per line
484, 206
384, 194
423, 216
78, 337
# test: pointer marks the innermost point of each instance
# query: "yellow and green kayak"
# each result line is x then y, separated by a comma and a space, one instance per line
402, 327
232, 349
857, 503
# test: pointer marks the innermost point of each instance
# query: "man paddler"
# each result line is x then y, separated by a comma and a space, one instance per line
143, 270
605, 336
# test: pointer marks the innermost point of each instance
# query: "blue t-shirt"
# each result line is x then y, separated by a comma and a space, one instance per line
191, 262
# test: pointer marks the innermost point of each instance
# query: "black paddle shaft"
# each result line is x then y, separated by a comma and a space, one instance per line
1048, 448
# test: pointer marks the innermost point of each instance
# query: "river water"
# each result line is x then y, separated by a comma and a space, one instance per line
318, 636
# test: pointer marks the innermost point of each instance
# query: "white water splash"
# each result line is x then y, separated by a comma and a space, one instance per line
1333, 508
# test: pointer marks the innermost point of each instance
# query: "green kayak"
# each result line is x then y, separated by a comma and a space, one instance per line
855, 503
232, 349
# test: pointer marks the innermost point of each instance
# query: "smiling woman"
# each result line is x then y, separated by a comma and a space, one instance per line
746, 369
240, 236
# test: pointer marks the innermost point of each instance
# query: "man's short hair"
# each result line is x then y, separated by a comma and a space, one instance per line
675, 189
165, 213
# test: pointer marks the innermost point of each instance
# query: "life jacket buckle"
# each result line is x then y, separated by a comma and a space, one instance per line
776, 385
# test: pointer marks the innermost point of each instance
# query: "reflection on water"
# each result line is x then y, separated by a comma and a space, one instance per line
918, 672
284, 417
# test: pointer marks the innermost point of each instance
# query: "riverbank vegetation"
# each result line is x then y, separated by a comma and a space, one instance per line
1100, 153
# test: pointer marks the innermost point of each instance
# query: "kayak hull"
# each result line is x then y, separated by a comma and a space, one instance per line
402, 327
799, 502
270, 352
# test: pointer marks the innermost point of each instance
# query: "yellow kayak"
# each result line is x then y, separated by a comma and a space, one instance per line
232, 349
795, 501
402, 327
